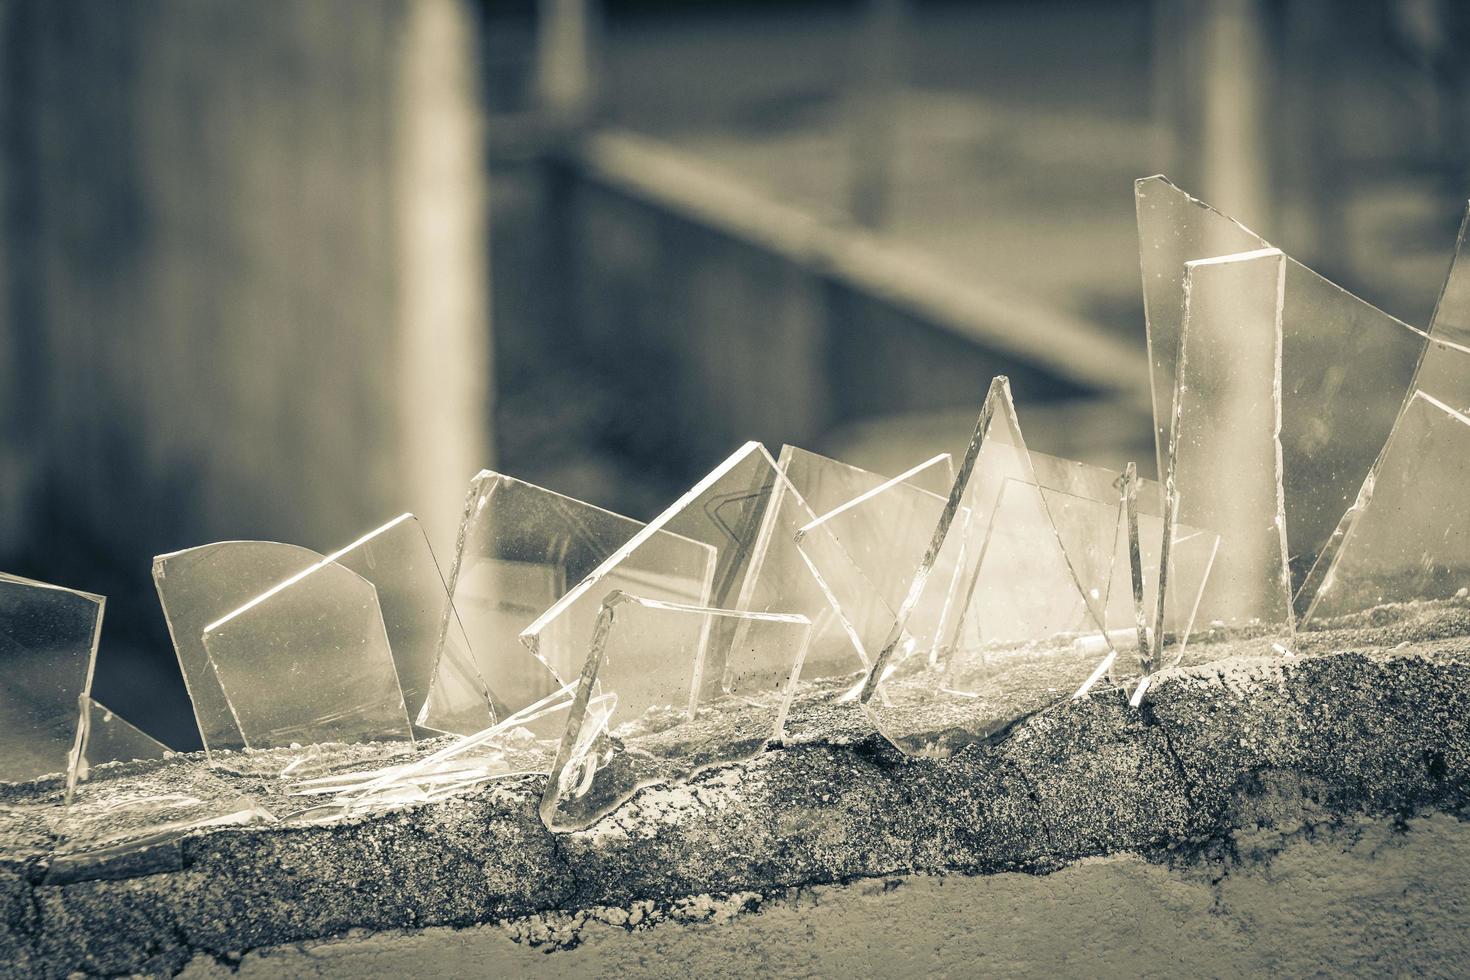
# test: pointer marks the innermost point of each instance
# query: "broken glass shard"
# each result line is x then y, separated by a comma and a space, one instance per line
1443, 374
48, 650
1410, 538
199, 585
652, 706
1346, 366
728, 543
1225, 471
864, 554
1010, 648
520, 549
309, 661
427, 640
107, 738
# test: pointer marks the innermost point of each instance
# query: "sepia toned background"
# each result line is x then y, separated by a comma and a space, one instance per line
285, 269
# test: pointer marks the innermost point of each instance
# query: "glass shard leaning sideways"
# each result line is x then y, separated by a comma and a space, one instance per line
309, 662
1009, 649
520, 548
651, 708
1346, 366
199, 585
48, 650
425, 635
864, 555
1443, 374
1225, 471
1410, 538
728, 543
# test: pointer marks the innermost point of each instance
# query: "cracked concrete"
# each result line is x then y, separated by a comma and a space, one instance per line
1235, 745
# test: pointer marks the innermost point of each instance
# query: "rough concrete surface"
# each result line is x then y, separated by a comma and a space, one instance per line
1223, 759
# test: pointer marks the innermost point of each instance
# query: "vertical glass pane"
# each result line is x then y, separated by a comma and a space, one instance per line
1011, 646
48, 649
1346, 366
199, 585
309, 662
651, 707
1410, 538
1226, 467
520, 549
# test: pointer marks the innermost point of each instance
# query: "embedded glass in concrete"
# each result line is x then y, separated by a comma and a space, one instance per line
659, 700
48, 650
1410, 536
1225, 470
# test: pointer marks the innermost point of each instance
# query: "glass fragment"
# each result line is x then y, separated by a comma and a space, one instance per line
520, 549
48, 650
1346, 366
199, 585
1410, 538
728, 543
1010, 649
652, 706
1225, 471
309, 662
107, 737
864, 554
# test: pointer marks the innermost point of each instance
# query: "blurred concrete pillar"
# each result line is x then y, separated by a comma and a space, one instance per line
257, 298
1212, 81
565, 59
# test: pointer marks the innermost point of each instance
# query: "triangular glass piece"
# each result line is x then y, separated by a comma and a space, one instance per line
520, 548
107, 737
1011, 647
1346, 366
1410, 537
650, 708
199, 585
1225, 471
48, 650
728, 543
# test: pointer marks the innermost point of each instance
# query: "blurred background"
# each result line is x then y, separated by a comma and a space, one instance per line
284, 269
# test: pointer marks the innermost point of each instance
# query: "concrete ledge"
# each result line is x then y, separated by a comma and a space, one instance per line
1373, 719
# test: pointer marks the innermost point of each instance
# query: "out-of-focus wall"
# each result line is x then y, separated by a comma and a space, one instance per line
245, 289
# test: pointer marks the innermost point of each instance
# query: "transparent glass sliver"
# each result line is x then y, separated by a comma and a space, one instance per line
1410, 538
652, 706
1225, 471
48, 651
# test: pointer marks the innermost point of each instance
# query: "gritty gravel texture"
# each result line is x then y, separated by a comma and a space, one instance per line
1373, 717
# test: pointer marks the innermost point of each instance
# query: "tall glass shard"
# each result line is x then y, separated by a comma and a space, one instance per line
652, 707
1410, 538
728, 543
1443, 374
1010, 649
864, 555
48, 650
199, 585
309, 661
520, 549
1225, 471
1346, 366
